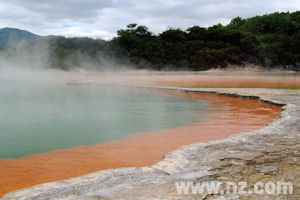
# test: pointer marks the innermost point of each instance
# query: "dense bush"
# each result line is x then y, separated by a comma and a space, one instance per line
271, 40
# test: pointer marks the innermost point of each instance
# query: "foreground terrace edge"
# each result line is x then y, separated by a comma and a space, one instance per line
246, 154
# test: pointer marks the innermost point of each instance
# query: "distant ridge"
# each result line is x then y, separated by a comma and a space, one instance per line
13, 36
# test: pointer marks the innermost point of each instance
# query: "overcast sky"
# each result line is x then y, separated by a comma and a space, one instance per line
102, 18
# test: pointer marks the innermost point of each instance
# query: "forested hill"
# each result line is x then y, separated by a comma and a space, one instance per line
271, 40
13, 36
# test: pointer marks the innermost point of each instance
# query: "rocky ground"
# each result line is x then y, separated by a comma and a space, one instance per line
270, 154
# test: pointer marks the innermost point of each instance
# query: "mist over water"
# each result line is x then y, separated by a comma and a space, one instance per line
39, 112
37, 118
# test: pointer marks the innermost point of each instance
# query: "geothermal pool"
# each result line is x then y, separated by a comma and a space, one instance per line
51, 131
38, 116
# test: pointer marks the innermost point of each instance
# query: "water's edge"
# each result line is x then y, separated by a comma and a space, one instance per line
189, 162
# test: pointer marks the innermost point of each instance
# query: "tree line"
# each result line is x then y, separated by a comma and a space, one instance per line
271, 40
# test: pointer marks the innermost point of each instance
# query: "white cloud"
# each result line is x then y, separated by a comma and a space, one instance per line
102, 18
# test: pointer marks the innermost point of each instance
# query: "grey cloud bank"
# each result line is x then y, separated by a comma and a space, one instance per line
102, 18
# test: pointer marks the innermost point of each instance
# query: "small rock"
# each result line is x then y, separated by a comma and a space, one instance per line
267, 168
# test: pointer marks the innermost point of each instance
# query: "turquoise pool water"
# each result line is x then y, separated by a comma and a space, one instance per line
37, 117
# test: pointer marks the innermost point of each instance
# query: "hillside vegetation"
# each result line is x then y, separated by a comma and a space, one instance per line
271, 40
12, 36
